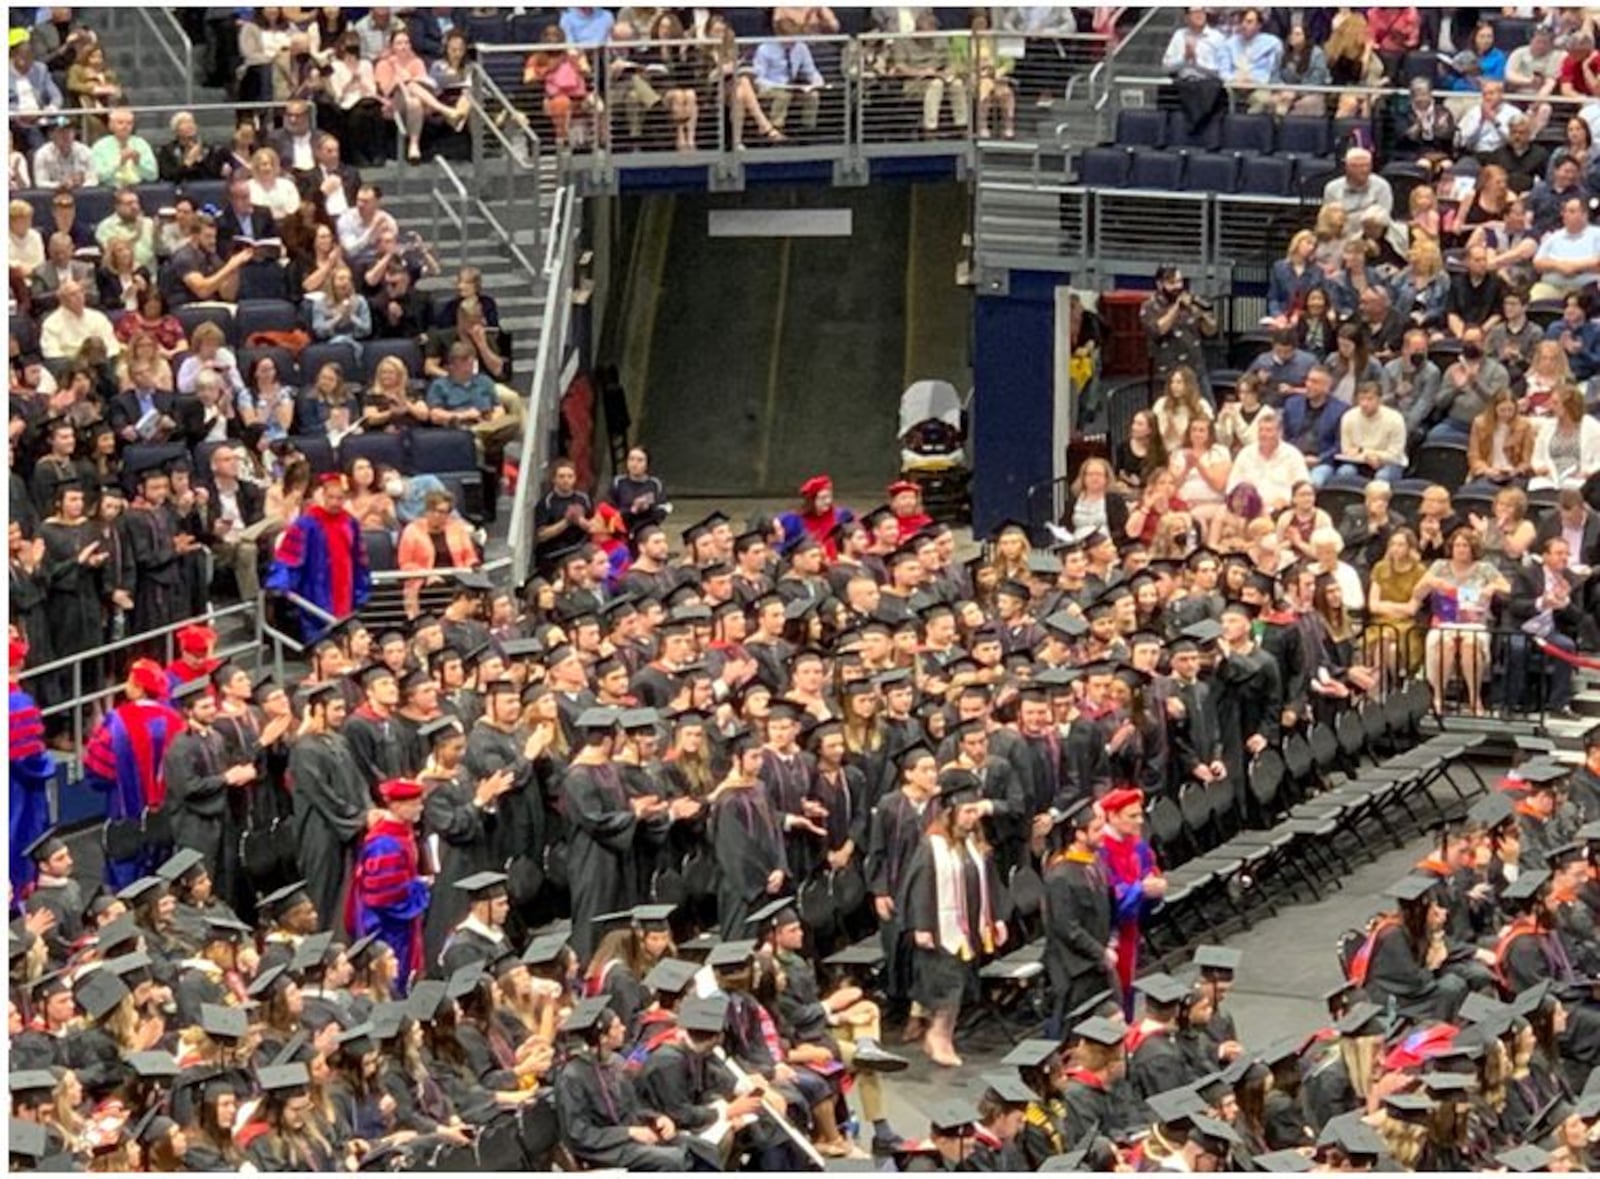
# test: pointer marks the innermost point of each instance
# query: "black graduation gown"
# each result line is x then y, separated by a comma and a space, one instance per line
787, 782
682, 1085
650, 840
599, 848
1159, 1064
1285, 1122
939, 979
1086, 766
73, 606
748, 847
159, 588
465, 838
598, 1106
197, 797
991, 1156
376, 747
1196, 737
896, 830
1077, 930
1249, 701
1327, 1091
1394, 973
519, 829
29, 613
330, 815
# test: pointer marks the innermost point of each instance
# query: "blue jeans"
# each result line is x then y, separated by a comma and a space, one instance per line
1520, 690
1388, 472
1449, 431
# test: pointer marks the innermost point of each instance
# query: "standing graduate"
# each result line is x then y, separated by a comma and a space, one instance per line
1078, 905
1135, 877
602, 821
125, 758
898, 822
200, 782
786, 778
459, 820
496, 746
388, 893
371, 730
747, 841
32, 770
160, 591
331, 803
951, 895
1249, 692
73, 567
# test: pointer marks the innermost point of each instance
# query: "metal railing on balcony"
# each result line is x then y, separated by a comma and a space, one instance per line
159, 27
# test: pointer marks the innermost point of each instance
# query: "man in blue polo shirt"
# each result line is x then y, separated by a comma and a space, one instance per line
463, 396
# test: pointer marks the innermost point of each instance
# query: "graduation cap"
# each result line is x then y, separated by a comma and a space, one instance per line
281, 901
1176, 1107
387, 1019
1525, 888
37, 1081
266, 983
322, 693
1043, 565
1522, 1159
639, 720
649, 917
1099, 1030
1564, 856
357, 1040
1218, 960
123, 931
180, 864
483, 886
1351, 1135
1213, 1088
1213, 1135
598, 720
1031, 1054
867, 955
773, 911
1490, 1014
1244, 1069
706, 1017
1491, 810
586, 1014
703, 527
1283, 1162
731, 955
284, 1080
466, 979
1363, 1019
671, 976
47, 845
27, 1139
1543, 775
1161, 988
1412, 888
953, 1117
427, 999
187, 695
152, 1064
1064, 624
1104, 1003
440, 730
143, 889
958, 787
1530, 1000
312, 952
1009, 1087
224, 1023
514, 649
98, 992
1282, 1051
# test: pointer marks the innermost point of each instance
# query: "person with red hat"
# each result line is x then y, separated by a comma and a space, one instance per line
905, 501
818, 515
1136, 879
124, 759
389, 896
32, 769
195, 660
321, 557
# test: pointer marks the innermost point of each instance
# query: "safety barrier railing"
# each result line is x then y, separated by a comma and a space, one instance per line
546, 383
160, 27
453, 206
508, 169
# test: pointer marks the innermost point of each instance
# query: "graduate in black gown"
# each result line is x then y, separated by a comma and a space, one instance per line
605, 1122
460, 815
371, 730
75, 587
746, 839
1156, 1060
200, 785
1396, 965
498, 745
160, 594
331, 802
1078, 906
897, 826
602, 824
1249, 696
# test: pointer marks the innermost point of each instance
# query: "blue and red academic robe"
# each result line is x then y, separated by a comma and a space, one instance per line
1128, 864
389, 897
124, 759
322, 558
32, 769
180, 673
820, 526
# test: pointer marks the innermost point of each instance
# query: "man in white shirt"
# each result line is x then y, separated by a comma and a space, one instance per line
1359, 189
358, 228
1372, 440
1253, 58
1487, 126
1196, 47
1268, 465
66, 328
63, 162
1569, 257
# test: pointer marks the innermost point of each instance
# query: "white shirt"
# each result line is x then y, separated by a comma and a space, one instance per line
1274, 478
280, 200
1479, 135
1561, 246
63, 333
1210, 51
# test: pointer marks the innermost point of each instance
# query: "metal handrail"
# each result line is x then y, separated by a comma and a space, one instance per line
459, 218
182, 61
156, 108
1232, 86
1102, 69
448, 572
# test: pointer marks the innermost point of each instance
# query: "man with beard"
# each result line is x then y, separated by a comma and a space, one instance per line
331, 803
199, 781
1077, 914
460, 819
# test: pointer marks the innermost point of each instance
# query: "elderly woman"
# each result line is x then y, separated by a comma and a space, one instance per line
1436, 520
1460, 590
270, 189
25, 248
210, 353
438, 540
1506, 533
1326, 547
1550, 366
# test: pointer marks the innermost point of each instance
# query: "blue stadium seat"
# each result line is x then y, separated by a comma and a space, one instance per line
318, 451
1179, 135
380, 548
524, 28
1352, 131
288, 366
487, 28
39, 199
315, 356
1512, 31
1312, 175
206, 192
196, 314
1267, 176
441, 451
95, 204
1210, 172
1444, 463
406, 350
1141, 128
141, 456
156, 196
1422, 63
1158, 170
1304, 135
1247, 133
387, 450
266, 315
1103, 167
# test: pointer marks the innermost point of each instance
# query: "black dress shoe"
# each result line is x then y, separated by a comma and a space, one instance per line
873, 1059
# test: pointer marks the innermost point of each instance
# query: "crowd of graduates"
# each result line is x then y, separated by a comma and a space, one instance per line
663, 869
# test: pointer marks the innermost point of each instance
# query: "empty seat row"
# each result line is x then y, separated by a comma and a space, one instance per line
1196, 171
1298, 135
435, 450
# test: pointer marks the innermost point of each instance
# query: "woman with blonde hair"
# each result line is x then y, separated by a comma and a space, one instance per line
1201, 466
1354, 65
562, 74
1500, 444
1422, 214
341, 316
1567, 454
1329, 233
1181, 404
25, 251
269, 187
143, 353
1486, 204
209, 352
1548, 371
1423, 288
389, 404
1292, 276
1009, 559
1092, 502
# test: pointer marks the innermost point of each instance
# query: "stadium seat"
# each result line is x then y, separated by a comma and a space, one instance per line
388, 450
380, 548
1444, 463
1179, 135
1422, 63
95, 204
438, 451
288, 366
141, 456
1266, 176
196, 314
524, 28
1351, 132
1103, 167
376, 350
1141, 128
1512, 31
314, 356
1210, 172
318, 451
1247, 133
39, 199
1161, 171
206, 192
1304, 135
156, 196
266, 315
487, 28
1311, 176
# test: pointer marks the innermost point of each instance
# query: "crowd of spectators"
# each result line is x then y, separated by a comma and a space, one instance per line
176, 371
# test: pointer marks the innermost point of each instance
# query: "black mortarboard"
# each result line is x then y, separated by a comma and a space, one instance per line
958, 787
180, 863
32, 1080
1176, 1107
1066, 625
192, 692
44, 847
1031, 1053
483, 886
1218, 959
671, 975
1362, 1019
1565, 855
1099, 1030
771, 911
386, 1019
1524, 1159
27, 1139
466, 979
598, 720
706, 1016
1492, 809
1412, 888
123, 931
1009, 1087
1161, 988
321, 693
1540, 774
586, 1014
286, 1080
427, 999
1352, 1135
141, 890
275, 904
153, 1064
357, 1040
313, 952
440, 729
1284, 1162
954, 1116
224, 1023
731, 955
913, 753
268, 980
1526, 886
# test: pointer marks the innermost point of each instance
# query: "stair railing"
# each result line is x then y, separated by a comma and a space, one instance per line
162, 27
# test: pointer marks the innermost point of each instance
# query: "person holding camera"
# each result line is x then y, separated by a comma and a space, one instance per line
1176, 323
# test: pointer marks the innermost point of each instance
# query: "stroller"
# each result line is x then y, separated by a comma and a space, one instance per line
933, 449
